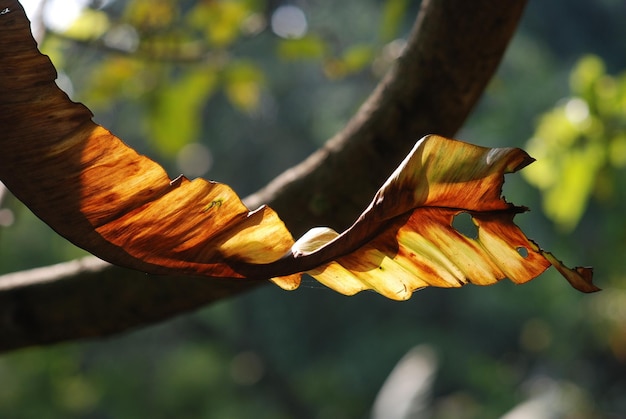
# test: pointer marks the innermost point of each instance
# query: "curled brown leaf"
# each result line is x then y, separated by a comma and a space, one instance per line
121, 206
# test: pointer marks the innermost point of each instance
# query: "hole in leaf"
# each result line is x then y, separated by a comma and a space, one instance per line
464, 224
523, 252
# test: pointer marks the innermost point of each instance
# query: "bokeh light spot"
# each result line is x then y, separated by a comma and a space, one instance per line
289, 22
576, 110
194, 160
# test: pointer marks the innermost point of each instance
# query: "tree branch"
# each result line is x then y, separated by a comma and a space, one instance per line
90, 297
451, 54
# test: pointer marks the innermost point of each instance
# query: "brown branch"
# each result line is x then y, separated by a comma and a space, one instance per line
90, 297
451, 54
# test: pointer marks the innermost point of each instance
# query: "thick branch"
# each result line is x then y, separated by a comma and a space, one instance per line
90, 297
451, 54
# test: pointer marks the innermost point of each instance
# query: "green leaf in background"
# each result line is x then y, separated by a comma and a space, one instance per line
580, 144
357, 57
242, 84
353, 60
393, 12
118, 77
220, 21
151, 15
309, 47
176, 114
91, 24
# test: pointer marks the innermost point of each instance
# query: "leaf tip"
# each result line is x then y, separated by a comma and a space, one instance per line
579, 277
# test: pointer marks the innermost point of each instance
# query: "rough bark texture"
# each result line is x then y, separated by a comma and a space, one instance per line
451, 54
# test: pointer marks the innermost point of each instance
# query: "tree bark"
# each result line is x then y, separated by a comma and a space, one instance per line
451, 54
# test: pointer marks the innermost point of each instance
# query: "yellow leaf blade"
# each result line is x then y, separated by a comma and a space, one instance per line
405, 239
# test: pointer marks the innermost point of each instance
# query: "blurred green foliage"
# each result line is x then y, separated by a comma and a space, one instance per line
168, 74
581, 144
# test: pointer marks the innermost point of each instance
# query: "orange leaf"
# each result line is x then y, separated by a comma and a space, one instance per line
405, 240
121, 206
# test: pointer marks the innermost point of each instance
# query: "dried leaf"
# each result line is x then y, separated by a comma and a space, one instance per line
121, 206
405, 240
